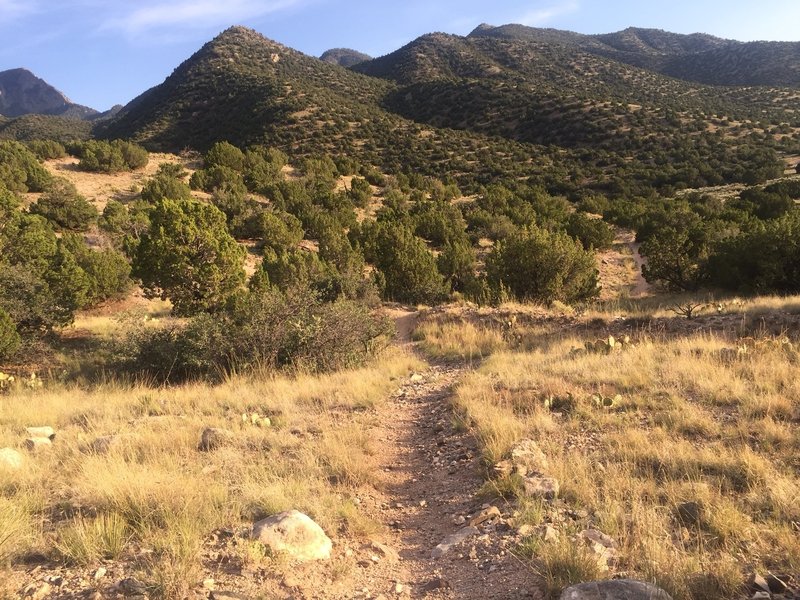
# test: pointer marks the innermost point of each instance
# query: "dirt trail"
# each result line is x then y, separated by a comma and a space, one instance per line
431, 475
640, 286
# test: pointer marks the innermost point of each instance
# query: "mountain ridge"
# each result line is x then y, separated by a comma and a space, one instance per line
22, 93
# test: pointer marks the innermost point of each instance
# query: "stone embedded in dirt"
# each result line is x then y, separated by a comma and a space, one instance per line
504, 468
759, 584
453, 540
761, 596
485, 515
130, 587
416, 378
540, 486
100, 573
384, 550
36, 591
41, 432
602, 546
213, 438
527, 457
36, 444
598, 537
295, 534
548, 533
10, 459
614, 589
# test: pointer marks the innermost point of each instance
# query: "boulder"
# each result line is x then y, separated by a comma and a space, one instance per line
36, 444
614, 589
41, 432
527, 457
602, 546
213, 438
10, 459
294, 534
540, 486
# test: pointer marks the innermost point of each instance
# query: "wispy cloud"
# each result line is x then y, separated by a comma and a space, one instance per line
156, 15
545, 14
11, 9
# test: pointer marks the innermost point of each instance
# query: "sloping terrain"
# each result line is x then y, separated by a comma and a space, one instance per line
696, 57
21, 93
344, 57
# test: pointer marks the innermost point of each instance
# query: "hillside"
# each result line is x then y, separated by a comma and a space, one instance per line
695, 57
458, 107
21, 93
249, 89
344, 57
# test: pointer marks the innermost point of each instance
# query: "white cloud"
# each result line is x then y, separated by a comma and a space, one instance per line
545, 14
11, 9
191, 14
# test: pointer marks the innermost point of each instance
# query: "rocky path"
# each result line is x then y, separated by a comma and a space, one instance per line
431, 473
443, 539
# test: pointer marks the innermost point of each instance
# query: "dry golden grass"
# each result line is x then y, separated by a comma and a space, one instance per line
464, 341
692, 425
154, 489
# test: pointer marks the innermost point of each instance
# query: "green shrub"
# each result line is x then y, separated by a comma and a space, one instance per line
266, 329
9, 337
223, 154
111, 157
63, 206
20, 171
536, 264
407, 267
189, 257
47, 149
164, 185
592, 233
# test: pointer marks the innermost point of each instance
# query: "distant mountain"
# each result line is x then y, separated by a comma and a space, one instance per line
245, 88
22, 93
695, 57
344, 57
520, 103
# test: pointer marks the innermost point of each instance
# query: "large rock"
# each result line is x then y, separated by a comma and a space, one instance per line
41, 432
528, 458
294, 534
37, 444
10, 459
213, 438
539, 486
615, 589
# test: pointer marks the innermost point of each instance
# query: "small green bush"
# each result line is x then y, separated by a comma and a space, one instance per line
63, 206
536, 264
9, 337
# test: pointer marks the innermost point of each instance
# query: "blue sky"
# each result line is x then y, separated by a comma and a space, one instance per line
105, 52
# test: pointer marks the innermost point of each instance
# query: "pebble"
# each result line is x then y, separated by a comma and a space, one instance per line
100, 573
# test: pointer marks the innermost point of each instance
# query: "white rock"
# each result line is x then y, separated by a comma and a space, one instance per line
540, 486
35, 444
295, 534
10, 459
41, 432
527, 457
